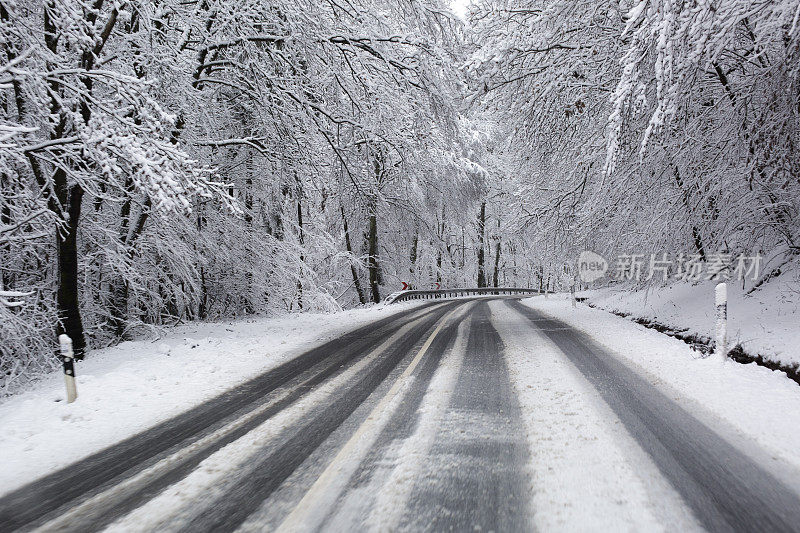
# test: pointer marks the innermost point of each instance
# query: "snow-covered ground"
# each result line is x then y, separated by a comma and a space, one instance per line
766, 322
135, 385
751, 403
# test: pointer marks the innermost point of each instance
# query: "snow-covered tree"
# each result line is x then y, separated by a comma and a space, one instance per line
165, 160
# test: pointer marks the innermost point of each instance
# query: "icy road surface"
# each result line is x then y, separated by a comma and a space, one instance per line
470, 415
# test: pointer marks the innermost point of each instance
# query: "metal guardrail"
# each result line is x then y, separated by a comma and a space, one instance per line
454, 293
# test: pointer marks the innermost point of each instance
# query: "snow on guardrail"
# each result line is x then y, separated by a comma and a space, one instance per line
455, 293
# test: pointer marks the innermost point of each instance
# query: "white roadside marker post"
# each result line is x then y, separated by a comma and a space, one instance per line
572, 293
721, 300
69, 366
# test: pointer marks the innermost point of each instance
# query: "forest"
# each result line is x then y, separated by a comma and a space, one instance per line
165, 161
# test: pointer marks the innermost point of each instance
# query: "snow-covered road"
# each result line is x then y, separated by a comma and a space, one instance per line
464, 415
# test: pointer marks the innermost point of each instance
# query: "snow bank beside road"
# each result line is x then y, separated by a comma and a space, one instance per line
767, 322
135, 385
753, 401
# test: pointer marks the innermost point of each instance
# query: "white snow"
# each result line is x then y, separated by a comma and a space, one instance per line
586, 473
127, 388
767, 322
721, 294
750, 404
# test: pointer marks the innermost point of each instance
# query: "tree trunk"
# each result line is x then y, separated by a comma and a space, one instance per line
481, 252
249, 297
463, 249
373, 258
6, 278
119, 286
349, 247
496, 277
119, 306
202, 310
302, 244
69, 197
121, 292
414, 248
69, 314
698, 241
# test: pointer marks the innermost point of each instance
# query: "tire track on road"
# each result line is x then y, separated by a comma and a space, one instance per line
42, 500
475, 477
279, 462
726, 490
